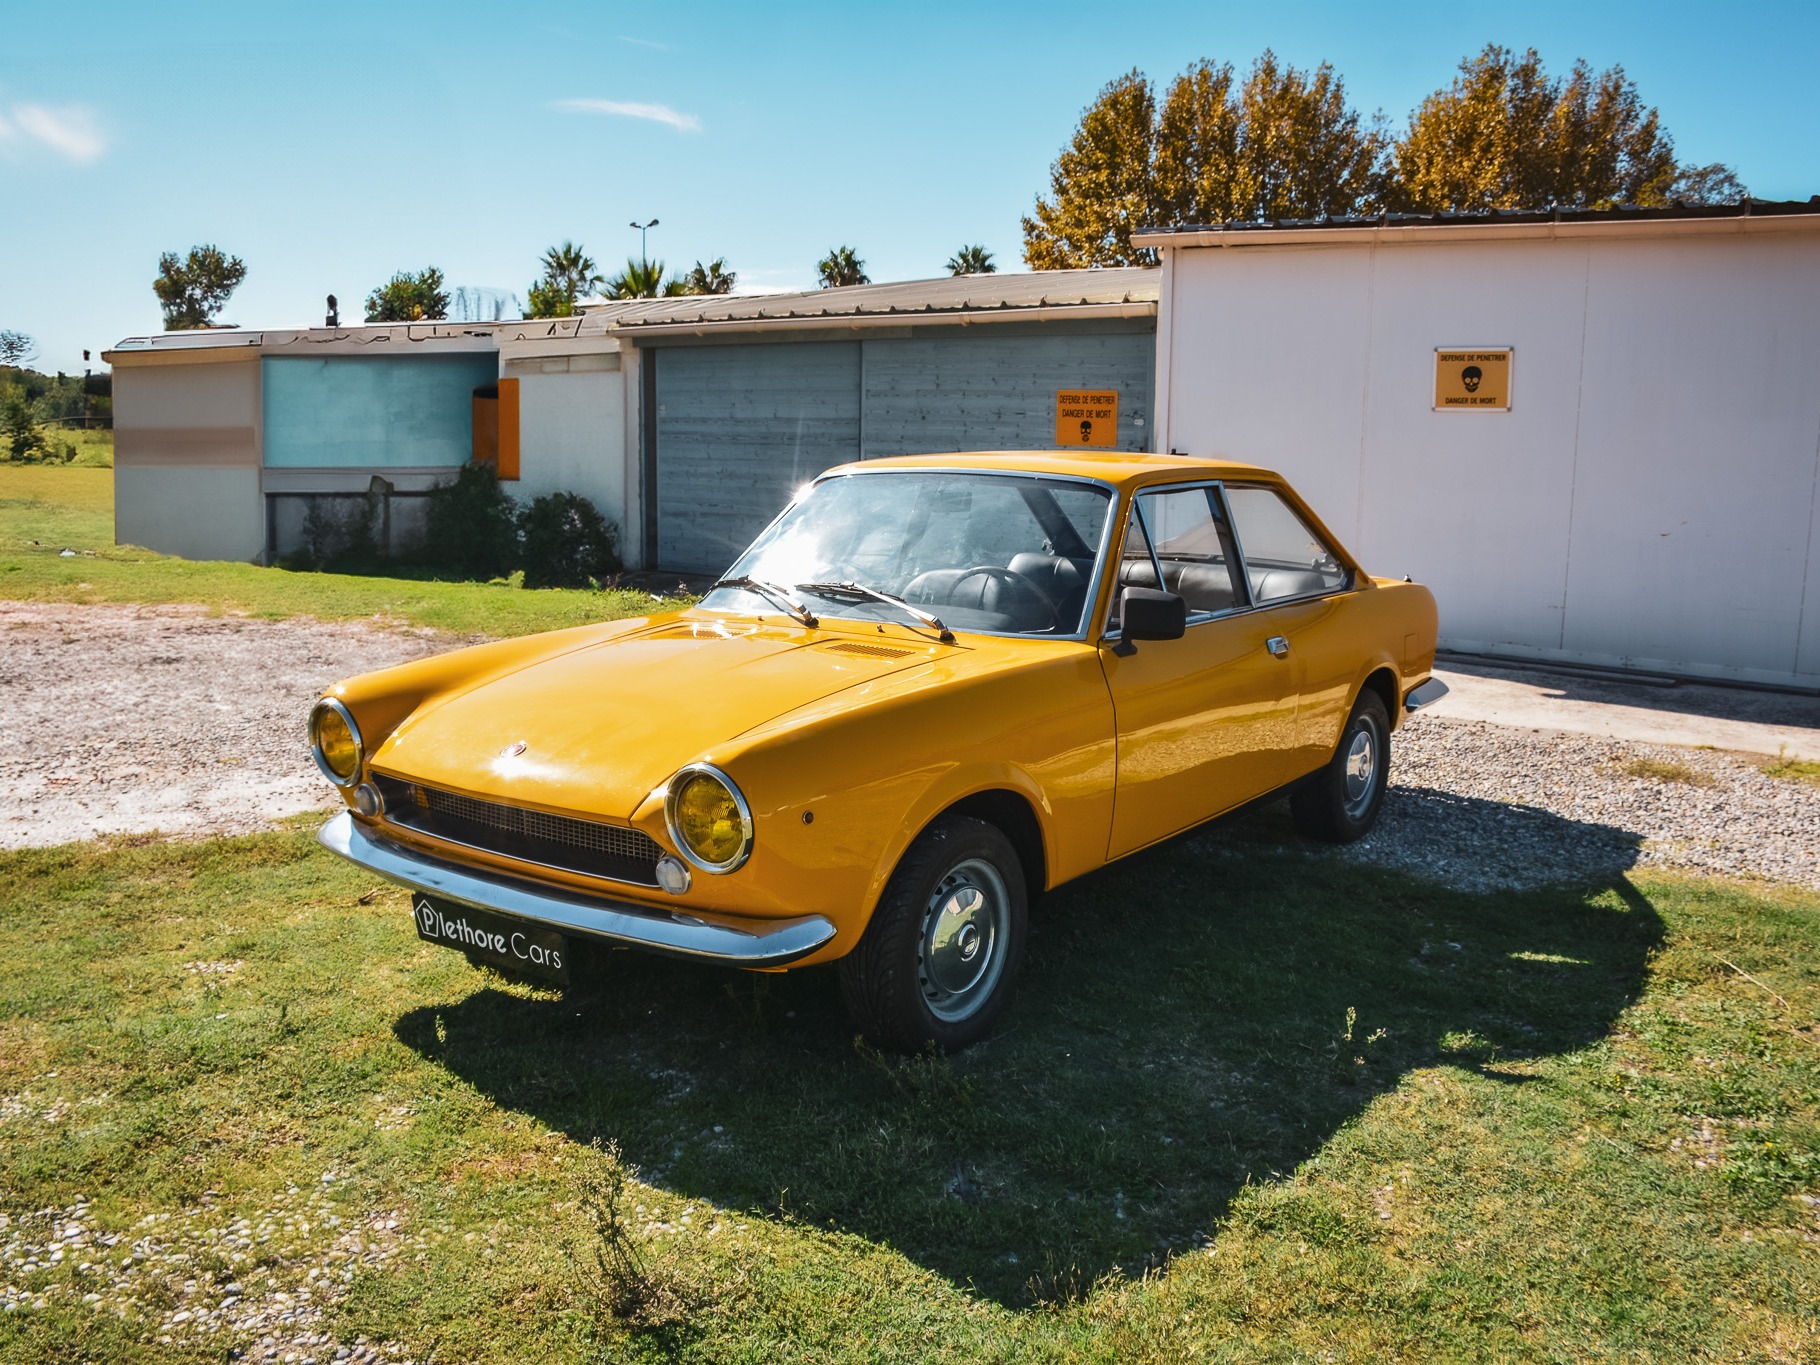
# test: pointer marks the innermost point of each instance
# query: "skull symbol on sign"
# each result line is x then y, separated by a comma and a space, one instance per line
1470, 377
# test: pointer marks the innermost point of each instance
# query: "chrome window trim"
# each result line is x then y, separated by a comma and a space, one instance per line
1107, 527
360, 748
674, 788
1238, 546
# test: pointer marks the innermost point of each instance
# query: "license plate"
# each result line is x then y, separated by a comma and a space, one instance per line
497, 940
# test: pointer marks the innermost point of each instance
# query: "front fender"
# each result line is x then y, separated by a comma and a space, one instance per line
837, 796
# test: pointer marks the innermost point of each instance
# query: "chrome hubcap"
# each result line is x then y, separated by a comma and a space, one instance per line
1361, 769
963, 928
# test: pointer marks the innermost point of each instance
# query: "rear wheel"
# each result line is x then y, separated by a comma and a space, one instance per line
1340, 803
939, 959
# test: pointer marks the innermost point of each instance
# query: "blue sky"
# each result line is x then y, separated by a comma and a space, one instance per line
329, 145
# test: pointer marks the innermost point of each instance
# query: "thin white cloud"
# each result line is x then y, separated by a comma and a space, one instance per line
654, 113
645, 42
71, 132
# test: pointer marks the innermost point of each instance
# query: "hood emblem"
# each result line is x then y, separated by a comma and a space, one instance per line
512, 750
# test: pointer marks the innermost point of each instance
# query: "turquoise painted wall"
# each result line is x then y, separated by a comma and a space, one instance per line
371, 411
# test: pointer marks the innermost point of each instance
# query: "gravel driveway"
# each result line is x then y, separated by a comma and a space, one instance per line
122, 719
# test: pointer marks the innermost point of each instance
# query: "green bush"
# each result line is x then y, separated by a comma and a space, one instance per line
473, 525
27, 442
566, 543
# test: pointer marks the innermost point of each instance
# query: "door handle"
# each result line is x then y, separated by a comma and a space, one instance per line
1278, 647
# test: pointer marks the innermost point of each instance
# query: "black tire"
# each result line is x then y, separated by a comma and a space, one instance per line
939, 960
1340, 803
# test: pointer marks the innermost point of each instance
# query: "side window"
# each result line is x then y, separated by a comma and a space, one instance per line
1136, 567
1188, 541
1283, 557
1190, 538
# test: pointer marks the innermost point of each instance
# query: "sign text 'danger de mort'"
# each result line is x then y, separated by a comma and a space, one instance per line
1472, 378
1087, 417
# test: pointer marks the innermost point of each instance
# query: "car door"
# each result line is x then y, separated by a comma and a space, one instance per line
1206, 722
1299, 586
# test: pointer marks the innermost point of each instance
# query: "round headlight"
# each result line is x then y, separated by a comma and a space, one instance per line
709, 819
335, 740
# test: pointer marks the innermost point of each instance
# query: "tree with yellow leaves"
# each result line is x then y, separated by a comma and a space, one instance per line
1283, 144
1505, 135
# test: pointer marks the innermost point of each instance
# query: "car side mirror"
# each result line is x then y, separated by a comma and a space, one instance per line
1151, 614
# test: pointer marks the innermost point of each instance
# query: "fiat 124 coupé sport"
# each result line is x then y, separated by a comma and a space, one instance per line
934, 687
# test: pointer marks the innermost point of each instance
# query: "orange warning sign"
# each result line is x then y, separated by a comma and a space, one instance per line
1087, 417
1472, 379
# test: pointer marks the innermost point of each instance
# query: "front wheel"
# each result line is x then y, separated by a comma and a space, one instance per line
939, 959
1340, 803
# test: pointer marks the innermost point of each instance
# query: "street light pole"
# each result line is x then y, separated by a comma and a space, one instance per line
644, 256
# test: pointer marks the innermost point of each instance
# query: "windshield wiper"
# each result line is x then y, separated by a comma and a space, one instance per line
861, 590
781, 596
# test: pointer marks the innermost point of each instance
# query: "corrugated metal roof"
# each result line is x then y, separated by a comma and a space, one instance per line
1025, 294
998, 294
1623, 213
273, 339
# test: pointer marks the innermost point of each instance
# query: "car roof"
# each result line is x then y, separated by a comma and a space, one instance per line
1118, 467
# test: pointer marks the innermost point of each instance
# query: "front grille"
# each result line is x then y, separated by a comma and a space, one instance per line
533, 836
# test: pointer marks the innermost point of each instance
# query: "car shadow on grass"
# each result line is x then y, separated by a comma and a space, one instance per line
1203, 1015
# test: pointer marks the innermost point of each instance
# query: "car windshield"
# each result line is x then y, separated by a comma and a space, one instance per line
1003, 554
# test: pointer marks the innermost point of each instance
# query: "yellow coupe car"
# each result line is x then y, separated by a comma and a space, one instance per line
933, 688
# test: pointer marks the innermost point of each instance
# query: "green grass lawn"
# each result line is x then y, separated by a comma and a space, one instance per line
47, 510
1251, 1104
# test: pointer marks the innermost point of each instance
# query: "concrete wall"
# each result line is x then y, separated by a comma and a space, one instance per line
1647, 502
186, 454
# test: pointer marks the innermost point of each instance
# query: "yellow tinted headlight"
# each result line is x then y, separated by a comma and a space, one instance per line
335, 739
709, 819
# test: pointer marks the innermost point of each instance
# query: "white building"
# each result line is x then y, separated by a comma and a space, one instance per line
1643, 497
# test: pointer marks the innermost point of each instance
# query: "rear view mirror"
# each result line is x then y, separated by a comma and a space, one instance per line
1151, 614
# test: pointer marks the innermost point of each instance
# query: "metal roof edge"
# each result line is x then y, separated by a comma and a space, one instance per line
1755, 216
350, 339
857, 322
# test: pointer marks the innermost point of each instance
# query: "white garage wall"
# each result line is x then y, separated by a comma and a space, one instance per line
1648, 502
571, 432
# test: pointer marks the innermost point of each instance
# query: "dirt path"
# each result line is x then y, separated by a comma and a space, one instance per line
129, 719
118, 719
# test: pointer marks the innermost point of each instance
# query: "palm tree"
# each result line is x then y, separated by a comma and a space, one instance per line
842, 266
712, 278
639, 280
571, 270
568, 272
972, 260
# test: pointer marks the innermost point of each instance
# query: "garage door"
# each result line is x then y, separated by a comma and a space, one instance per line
738, 429
992, 391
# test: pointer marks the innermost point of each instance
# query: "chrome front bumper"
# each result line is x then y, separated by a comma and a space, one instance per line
1427, 694
769, 943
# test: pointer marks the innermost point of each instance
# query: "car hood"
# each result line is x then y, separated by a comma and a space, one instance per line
598, 729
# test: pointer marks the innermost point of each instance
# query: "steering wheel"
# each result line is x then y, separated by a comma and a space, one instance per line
1019, 585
